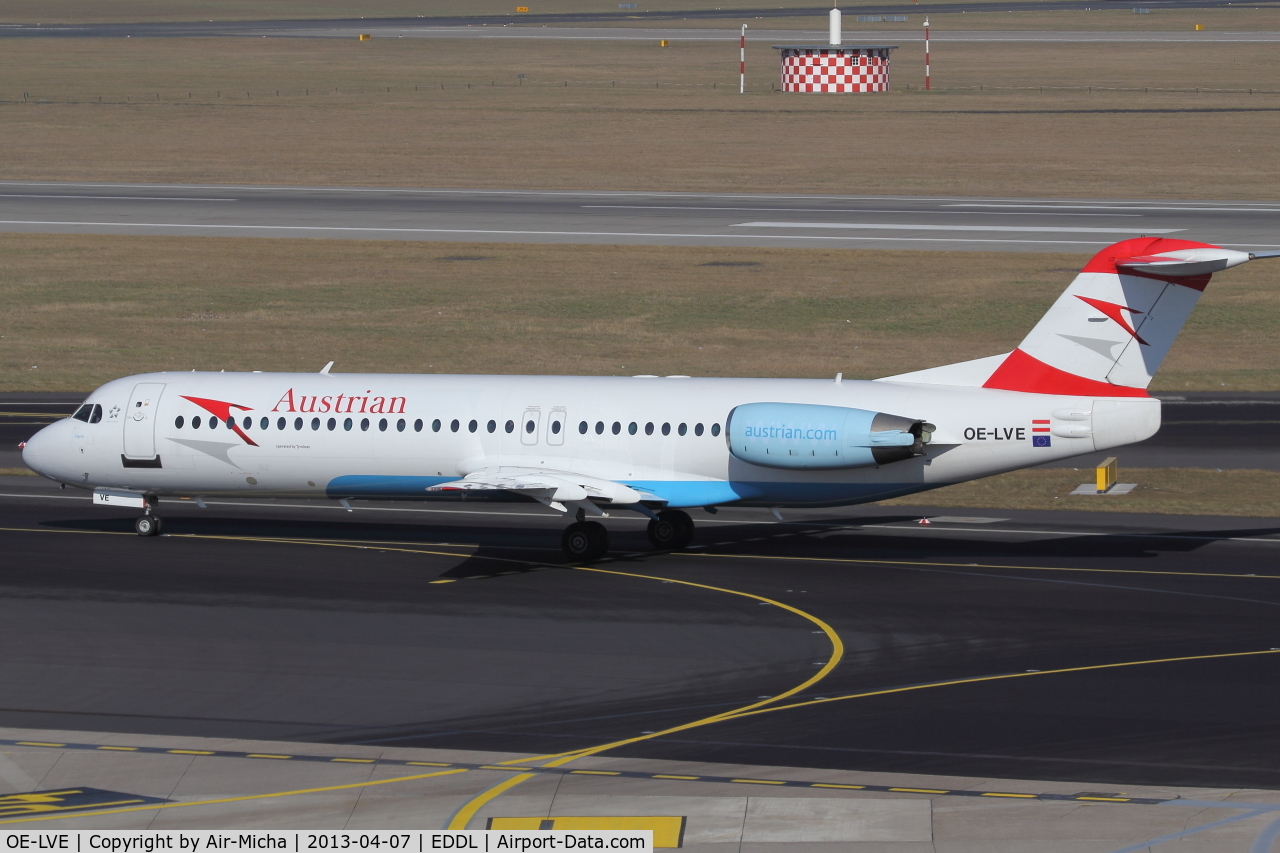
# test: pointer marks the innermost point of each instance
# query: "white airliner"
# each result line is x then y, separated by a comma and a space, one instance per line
588, 446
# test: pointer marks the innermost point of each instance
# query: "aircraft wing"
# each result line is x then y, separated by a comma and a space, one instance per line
560, 490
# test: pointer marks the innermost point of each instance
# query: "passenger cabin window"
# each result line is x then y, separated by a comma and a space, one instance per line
231, 422
530, 426
599, 427
417, 425
666, 429
297, 423
491, 426
248, 422
332, 424
697, 429
265, 423
280, 423
315, 423
510, 426
364, 424
178, 421
648, 428
715, 429
682, 429
382, 425
631, 428
555, 427
195, 422
582, 428
453, 425
213, 422
348, 424
435, 425
617, 428
400, 425
472, 426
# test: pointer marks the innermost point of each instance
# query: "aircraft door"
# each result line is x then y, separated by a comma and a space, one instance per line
140, 420
529, 426
556, 427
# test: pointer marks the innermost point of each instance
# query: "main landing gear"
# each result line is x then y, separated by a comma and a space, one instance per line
149, 524
672, 530
583, 540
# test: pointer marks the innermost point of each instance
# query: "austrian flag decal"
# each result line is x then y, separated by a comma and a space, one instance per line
1038, 436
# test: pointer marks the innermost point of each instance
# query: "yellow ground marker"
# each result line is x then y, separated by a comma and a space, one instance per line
668, 830
463, 816
275, 795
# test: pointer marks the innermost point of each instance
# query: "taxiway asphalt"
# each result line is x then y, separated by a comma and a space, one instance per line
537, 216
1057, 646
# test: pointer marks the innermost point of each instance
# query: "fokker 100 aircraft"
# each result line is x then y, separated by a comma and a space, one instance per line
588, 446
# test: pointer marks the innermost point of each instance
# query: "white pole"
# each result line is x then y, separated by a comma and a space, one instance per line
742, 62
926, 54
835, 26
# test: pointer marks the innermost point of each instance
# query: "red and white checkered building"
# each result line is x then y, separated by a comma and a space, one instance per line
835, 68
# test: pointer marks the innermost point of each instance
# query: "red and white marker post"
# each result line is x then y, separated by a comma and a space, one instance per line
742, 62
926, 54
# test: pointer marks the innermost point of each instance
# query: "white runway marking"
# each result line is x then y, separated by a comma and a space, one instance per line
850, 210
116, 197
498, 232
881, 226
1106, 206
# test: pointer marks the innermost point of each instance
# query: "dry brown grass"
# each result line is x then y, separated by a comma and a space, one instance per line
351, 130
84, 309
1175, 491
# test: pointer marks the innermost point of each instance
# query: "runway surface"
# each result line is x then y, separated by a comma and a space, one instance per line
535, 216
1060, 646
461, 25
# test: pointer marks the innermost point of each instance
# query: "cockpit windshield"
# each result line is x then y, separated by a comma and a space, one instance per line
90, 413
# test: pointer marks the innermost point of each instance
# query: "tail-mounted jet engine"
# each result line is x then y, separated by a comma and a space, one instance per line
799, 435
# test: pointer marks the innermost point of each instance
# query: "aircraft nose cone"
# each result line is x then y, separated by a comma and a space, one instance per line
31, 452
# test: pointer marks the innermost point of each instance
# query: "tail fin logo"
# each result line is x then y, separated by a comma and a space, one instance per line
1112, 310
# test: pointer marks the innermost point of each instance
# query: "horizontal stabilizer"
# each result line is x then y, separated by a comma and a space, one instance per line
1185, 262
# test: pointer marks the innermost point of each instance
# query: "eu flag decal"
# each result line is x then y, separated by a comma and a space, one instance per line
1040, 441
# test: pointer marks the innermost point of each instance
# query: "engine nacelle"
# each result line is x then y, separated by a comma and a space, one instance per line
799, 435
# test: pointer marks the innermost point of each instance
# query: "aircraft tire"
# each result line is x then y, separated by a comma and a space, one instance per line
585, 540
148, 525
672, 530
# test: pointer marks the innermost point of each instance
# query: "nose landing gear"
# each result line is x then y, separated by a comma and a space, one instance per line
672, 530
149, 524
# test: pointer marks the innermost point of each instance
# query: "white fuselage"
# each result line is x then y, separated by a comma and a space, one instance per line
373, 435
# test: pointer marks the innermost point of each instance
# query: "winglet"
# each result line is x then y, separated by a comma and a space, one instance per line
325, 369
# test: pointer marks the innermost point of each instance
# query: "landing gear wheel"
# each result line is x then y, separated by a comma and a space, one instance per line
672, 530
148, 525
585, 540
